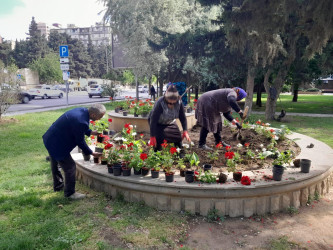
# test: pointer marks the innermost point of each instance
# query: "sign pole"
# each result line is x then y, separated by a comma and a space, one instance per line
64, 66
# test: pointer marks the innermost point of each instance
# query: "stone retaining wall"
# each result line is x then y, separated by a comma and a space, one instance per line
231, 199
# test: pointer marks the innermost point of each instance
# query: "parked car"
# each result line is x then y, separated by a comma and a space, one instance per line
143, 89
23, 96
95, 90
46, 91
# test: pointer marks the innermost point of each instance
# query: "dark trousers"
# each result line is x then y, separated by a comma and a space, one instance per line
170, 133
203, 135
69, 167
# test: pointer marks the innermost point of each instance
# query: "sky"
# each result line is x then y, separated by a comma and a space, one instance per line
16, 15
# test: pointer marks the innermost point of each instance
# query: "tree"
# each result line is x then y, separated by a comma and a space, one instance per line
48, 68
8, 87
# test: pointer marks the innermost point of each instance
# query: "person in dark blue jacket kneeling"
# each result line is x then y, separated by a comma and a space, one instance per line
62, 137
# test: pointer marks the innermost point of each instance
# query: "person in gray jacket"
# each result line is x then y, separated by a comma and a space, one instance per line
162, 120
210, 105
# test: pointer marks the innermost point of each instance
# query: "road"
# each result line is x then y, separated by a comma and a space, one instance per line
74, 98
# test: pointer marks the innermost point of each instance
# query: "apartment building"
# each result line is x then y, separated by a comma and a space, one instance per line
99, 34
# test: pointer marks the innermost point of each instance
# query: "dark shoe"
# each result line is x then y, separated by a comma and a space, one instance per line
204, 147
59, 188
77, 196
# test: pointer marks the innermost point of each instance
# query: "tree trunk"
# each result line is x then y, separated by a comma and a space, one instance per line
196, 90
295, 97
258, 102
271, 100
249, 88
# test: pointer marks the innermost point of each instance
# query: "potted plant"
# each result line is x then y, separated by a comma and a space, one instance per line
194, 162
113, 160
167, 161
153, 162
231, 165
305, 165
144, 108
278, 163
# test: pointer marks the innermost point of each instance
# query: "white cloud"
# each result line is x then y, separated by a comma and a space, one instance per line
82, 13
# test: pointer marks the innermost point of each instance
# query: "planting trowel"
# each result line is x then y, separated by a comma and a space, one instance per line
246, 110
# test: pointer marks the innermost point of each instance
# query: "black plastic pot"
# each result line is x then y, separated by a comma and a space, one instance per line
105, 132
112, 132
99, 150
237, 176
305, 165
136, 115
117, 170
182, 173
144, 115
86, 157
104, 162
155, 174
97, 160
100, 138
144, 171
189, 176
117, 110
277, 172
137, 172
169, 177
110, 169
207, 167
126, 171
125, 113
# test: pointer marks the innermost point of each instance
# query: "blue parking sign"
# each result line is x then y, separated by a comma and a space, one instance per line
63, 51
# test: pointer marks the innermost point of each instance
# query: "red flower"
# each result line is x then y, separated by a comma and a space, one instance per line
107, 146
111, 98
92, 137
272, 130
258, 122
110, 120
219, 145
245, 180
128, 131
229, 155
141, 135
164, 144
227, 148
127, 125
143, 156
195, 100
173, 150
247, 144
92, 122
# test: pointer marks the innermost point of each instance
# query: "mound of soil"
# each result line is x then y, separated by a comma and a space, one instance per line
248, 136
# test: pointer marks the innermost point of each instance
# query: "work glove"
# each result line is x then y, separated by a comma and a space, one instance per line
152, 141
185, 135
241, 114
238, 125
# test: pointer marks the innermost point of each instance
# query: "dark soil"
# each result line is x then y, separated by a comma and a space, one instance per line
248, 136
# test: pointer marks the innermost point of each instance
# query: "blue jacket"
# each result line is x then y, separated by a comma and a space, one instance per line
67, 132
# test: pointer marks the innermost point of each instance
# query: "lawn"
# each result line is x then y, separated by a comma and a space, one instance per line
32, 216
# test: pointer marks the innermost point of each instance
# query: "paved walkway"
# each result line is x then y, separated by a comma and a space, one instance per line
295, 114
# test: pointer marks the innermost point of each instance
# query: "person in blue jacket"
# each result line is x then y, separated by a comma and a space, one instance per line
62, 137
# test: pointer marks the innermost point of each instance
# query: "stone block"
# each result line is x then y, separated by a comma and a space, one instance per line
221, 207
113, 192
162, 202
286, 201
236, 207
262, 205
190, 206
249, 207
312, 190
176, 204
136, 196
149, 199
275, 203
304, 196
205, 206
127, 195
296, 199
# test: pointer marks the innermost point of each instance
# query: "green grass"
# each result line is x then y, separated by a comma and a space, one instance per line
321, 104
32, 216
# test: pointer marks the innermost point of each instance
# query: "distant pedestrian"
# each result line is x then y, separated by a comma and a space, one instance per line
62, 137
152, 92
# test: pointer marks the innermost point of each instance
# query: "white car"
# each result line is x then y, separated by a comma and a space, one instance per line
45, 91
95, 90
143, 89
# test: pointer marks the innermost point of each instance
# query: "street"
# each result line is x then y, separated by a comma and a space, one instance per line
74, 98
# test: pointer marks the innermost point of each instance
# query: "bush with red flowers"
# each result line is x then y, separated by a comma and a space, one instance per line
245, 180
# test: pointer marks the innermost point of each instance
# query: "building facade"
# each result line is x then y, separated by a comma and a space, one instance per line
99, 34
